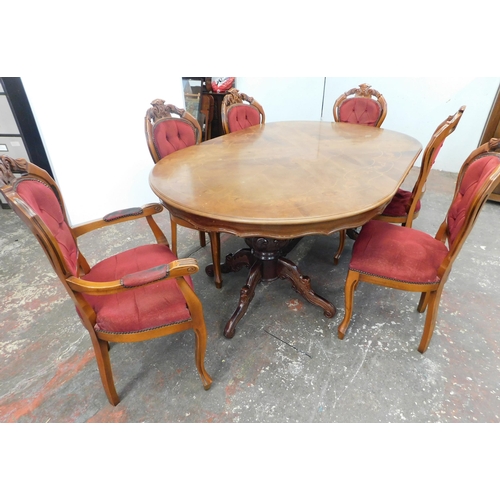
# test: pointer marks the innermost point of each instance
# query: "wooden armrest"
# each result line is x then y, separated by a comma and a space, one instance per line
117, 217
176, 269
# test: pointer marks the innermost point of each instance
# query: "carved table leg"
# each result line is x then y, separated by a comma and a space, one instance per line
265, 257
302, 285
246, 295
234, 262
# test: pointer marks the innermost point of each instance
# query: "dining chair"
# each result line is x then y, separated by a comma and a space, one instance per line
361, 106
169, 129
405, 206
239, 111
138, 294
405, 258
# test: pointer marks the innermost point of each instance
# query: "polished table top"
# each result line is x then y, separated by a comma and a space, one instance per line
280, 181
286, 179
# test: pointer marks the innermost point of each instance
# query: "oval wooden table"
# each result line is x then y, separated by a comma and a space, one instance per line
277, 182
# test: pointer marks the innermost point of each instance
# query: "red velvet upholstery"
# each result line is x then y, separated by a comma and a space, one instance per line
400, 204
242, 116
138, 309
44, 203
172, 135
360, 110
397, 252
472, 181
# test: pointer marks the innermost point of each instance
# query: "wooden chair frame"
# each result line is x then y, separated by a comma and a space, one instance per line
160, 112
236, 98
76, 286
444, 129
364, 91
431, 293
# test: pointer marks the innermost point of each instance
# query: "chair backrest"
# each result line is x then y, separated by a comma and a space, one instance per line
36, 199
239, 111
443, 130
478, 177
166, 133
362, 105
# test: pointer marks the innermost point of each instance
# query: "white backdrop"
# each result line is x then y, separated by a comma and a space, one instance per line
416, 106
93, 129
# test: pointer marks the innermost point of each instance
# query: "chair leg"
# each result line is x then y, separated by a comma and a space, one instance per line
352, 233
101, 349
200, 348
430, 319
203, 241
215, 247
340, 249
173, 236
350, 286
424, 300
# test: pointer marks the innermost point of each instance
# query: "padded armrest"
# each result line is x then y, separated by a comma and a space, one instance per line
145, 277
117, 217
175, 269
119, 214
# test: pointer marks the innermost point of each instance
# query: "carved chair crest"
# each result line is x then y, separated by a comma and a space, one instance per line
160, 110
9, 166
364, 90
235, 97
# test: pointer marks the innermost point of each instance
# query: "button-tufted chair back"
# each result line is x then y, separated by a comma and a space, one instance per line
239, 111
362, 106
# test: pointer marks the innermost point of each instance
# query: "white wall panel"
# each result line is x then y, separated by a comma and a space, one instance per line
93, 132
285, 99
416, 106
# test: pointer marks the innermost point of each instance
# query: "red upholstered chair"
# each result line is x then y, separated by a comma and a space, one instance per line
404, 208
407, 259
361, 106
138, 294
238, 111
166, 134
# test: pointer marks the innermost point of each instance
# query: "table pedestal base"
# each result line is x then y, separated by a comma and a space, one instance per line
266, 261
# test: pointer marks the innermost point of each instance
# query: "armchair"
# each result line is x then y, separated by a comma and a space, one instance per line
138, 294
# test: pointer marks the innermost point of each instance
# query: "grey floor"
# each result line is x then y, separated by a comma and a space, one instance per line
285, 363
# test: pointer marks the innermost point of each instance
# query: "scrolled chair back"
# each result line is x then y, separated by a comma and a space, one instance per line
362, 106
169, 129
239, 111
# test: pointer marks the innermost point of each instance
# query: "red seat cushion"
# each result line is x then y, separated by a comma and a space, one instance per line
396, 252
242, 116
360, 110
144, 308
400, 204
172, 135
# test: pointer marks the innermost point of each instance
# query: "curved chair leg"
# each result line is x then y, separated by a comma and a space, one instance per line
352, 233
215, 247
424, 300
203, 241
101, 349
199, 356
430, 319
351, 283
340, 249
196, 309
173, 236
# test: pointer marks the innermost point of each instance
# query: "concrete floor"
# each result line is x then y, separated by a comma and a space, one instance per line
285, 363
